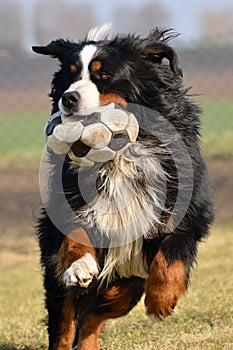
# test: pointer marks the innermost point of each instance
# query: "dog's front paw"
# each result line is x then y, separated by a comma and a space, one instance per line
81, 272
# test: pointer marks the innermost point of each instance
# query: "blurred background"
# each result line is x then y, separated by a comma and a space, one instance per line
205, 49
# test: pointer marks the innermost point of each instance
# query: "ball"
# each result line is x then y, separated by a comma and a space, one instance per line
98, 137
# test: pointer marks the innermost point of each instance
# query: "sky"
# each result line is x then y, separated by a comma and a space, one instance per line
185, 14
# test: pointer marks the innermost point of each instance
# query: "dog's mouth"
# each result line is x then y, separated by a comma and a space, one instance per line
81, 96
87, 100
75, 108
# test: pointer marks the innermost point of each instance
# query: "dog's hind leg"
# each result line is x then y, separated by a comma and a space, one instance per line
112, 302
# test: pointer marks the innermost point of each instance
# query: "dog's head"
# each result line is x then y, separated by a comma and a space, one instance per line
97, 71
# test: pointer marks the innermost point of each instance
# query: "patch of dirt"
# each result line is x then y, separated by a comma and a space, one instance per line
20, 197
220, 172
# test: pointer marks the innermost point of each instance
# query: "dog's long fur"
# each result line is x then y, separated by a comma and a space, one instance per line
124, 236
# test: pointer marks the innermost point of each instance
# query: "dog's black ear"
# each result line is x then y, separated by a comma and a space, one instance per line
154, 49
155, 52
56, 49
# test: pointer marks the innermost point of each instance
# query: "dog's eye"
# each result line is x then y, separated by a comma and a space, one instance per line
102, 76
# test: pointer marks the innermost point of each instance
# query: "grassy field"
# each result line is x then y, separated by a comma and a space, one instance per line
202, 321
22, 139
217, 128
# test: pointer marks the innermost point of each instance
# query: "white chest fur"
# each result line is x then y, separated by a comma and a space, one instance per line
126, 210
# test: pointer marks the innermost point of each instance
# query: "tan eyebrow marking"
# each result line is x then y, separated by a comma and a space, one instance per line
73, 68
96, 65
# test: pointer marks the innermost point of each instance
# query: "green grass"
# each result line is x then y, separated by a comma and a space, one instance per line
203, 319
22, 138
21, 299
217, 128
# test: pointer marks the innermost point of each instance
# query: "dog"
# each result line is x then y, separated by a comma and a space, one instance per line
98, 262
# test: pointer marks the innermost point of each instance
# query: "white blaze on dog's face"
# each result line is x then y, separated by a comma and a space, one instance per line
87, 92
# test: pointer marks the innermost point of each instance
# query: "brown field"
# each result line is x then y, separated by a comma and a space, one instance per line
20, 196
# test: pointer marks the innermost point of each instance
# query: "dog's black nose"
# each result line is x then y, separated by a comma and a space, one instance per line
70, 100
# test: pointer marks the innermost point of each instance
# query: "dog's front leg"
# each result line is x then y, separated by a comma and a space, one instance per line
76, 264
64, 335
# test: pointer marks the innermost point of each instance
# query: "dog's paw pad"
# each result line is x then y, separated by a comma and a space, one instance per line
81, 272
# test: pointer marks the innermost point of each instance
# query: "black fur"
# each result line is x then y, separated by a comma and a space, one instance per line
136, 71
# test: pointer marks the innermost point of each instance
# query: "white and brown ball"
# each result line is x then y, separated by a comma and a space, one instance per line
97, 137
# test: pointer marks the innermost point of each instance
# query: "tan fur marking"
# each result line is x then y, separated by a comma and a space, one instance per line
74, 247
89, 332
96, 65
104, 99
119, 298
67, 326
164, 286
73, 68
